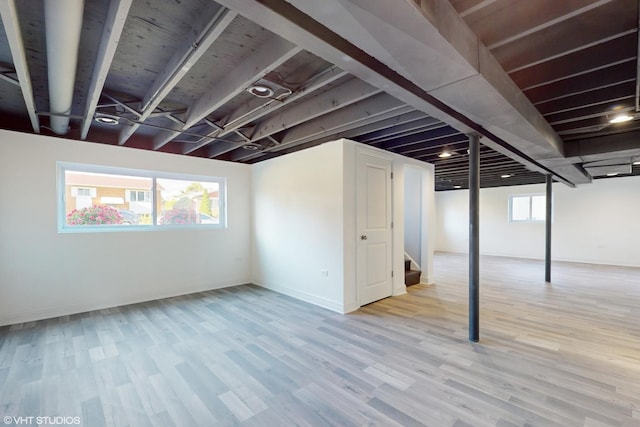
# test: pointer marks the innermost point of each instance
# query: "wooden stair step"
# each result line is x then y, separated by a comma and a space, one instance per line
412, 277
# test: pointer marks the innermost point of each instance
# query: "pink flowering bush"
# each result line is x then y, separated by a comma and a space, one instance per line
94, 215
180, 216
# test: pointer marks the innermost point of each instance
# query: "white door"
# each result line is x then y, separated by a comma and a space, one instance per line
373, 188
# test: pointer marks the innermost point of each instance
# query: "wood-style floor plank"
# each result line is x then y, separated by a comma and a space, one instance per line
560, 354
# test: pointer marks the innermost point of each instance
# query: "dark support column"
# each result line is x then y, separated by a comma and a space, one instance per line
474, 238
547, 251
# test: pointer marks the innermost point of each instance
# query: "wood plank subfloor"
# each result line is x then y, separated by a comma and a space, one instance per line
560, 354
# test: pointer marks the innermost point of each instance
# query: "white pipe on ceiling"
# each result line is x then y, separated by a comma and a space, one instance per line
63, 24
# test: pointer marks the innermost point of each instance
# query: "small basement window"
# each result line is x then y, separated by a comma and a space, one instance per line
98, 198
527, 208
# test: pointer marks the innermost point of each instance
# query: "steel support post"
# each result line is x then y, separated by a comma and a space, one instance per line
547, 251
474, 238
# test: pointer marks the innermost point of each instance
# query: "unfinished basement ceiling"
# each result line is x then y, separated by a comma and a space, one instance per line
537, 80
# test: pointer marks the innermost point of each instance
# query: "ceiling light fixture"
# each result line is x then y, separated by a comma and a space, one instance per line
260, 91
444, 155
457, 187
506, 175
620, 118
612, 174
636, 163
107, 120
251, 147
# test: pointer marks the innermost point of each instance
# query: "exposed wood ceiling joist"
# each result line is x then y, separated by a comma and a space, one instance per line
364, 25
539, 80
269, 56
13, 32
375, 108
205, 31
113, 26
245, 115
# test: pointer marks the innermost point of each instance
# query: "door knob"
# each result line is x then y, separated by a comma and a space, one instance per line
363, 237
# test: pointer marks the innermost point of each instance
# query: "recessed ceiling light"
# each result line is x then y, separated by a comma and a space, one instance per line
612, 174
260, 91
620, 118
251, 147
107, 120
444, 155
457, 186
506, 175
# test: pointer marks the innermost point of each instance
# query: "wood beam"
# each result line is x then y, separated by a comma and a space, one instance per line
280, 18
203, 34
111, 32
347, 93
618, 142
375, 123
242, 117
378, 107
123, 104
548, 23
438, 131
354, 36
11, 24
410, 128
273, 53
7, 78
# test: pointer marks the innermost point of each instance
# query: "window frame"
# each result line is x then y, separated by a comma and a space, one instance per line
63, 227
529, 219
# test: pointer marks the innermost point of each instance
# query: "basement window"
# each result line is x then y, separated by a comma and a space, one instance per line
97, 198
527, 208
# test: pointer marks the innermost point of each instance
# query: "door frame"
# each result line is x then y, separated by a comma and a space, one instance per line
427, 214
384, 156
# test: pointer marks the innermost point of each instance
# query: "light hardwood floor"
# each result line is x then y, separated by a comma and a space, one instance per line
565, 354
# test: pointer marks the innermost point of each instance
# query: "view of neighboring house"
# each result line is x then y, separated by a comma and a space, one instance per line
134, 194
84, 189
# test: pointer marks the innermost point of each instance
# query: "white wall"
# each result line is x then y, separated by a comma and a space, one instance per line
304, 223
352, 151
413, 213
298, 225
598, 223
595, 223
400, 165
301, 240
44, 273
403, 167
350, 229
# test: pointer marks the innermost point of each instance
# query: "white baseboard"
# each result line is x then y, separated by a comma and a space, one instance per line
348, 308
66, 310
553, 258
400, 290
303, 296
